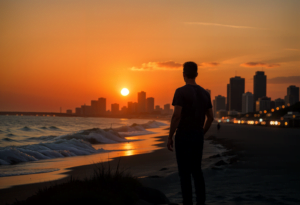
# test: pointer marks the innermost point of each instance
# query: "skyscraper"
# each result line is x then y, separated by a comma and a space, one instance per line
101, 106
227, 99
292, 96
115, 109
236, 90
247, 102
142, 102
263, 103
220, 103
150, 105
94, 107
259, 85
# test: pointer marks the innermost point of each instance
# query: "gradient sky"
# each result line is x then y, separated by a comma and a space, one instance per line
62, 53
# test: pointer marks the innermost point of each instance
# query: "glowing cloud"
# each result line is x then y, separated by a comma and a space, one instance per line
168, 65
210, 64
260, 64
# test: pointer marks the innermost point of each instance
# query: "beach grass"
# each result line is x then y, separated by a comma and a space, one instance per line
105, 187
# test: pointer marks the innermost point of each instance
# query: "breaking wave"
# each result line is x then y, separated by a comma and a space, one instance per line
58, 149
73, 144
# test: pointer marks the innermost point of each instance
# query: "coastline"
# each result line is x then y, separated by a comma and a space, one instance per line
260, 166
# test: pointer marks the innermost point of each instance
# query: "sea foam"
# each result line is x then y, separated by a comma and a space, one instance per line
73, 144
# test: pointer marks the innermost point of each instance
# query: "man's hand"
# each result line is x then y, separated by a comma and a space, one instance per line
170, 144
174, 124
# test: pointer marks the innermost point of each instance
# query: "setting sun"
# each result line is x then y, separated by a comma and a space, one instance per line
124, 91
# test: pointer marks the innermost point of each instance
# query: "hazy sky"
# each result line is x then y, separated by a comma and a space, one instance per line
65, 53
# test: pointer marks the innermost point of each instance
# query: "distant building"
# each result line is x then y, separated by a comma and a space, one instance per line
263, 103
167, 109
124, 110
236, 90
259, 85
272, 104
86, 110
101, 106
221, 113
220, 103
130, 108
94, 107
279, 102
227, 99
247, 103
150, 105
292, 96
115, 109
69, 111
78, 111
158, 109
142, 102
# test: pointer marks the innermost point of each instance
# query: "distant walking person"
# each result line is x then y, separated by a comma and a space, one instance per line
218, 126
191, 104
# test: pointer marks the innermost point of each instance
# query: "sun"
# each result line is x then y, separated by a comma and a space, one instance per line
124, 91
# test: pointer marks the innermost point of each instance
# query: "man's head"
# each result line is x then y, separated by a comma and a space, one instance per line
190, 70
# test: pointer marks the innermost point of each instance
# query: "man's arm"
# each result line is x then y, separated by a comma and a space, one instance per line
174, 124
209, 120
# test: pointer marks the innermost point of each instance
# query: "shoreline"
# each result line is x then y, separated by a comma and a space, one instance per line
258, 163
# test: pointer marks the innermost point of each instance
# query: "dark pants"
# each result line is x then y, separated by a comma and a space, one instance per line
189, 148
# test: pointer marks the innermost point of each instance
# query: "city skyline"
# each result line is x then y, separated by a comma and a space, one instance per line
55, 54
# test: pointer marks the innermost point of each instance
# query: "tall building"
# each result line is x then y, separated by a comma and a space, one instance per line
142, 102
247, 102
78, 111
292, 96
101, 106
150, 105
220, 103
94, 107
115, 109
86, 110
130, 108
167, 109
227, 99
263, 103
237, 88
259, 85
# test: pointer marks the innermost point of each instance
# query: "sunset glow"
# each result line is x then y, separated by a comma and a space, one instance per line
61, 54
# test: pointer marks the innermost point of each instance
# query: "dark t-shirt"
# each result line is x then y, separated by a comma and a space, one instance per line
195, 101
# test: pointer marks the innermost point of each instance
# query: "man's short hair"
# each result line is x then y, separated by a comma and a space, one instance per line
190, 69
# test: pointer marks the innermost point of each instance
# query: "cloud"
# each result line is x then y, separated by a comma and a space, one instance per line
285, 80
168, 65
260, 64
210, 64
222, 25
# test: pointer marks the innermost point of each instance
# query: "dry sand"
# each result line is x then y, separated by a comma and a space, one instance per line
265, 171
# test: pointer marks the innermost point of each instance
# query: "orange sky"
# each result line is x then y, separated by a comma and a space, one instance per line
62, 53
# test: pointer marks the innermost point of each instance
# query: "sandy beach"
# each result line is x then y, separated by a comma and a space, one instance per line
265, 169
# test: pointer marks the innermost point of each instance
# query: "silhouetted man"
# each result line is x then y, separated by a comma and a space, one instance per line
218, 126
192, 103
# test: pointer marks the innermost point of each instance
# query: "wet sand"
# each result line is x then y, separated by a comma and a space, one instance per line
265, 170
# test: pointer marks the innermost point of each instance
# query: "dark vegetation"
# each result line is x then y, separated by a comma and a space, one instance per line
105, 187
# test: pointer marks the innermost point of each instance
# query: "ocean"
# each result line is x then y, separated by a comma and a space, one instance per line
38, 148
